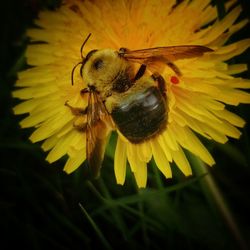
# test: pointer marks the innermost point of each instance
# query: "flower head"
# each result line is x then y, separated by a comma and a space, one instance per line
195, 100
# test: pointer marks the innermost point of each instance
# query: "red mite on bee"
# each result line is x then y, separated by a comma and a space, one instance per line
135, 103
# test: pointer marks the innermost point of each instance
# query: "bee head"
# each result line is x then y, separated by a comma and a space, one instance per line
100, 67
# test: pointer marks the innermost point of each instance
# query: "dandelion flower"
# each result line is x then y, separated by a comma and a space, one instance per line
196, 100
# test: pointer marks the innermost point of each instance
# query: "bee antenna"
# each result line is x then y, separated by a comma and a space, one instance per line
85, 41
72, 72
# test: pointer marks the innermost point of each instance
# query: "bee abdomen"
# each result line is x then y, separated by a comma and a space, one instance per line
141, 115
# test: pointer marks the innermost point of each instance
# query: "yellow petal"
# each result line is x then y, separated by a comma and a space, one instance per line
65, 129
195, 111
194, 124
169, 138
138, 167
44, 54
35, 76
236, 69
203, 86
220, 26
43, 115
188, 140
181, 161
195, 104
179, 119
35, 92
27, 106
160, 158
50, 127
62, 146
230, 117
208, 15
233, 96
40, 35
231, 50
133, 158
120, 161
213, 133
80, 142
74, 162
50, 142
239, 83
140, 174
166, 149
49, 19
225, 128
144, 151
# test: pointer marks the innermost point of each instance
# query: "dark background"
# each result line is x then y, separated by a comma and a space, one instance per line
39, 204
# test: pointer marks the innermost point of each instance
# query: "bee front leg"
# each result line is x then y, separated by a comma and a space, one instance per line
81, 127
160, 82
79, 112
76, 111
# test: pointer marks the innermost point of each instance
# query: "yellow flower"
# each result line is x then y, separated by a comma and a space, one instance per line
196, 100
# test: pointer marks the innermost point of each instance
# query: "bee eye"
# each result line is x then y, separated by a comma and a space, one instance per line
98, 64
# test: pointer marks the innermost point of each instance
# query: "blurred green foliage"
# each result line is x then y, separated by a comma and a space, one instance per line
42, 207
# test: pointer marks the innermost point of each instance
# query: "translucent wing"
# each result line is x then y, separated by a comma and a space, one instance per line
171, 53
164, 55
97, 132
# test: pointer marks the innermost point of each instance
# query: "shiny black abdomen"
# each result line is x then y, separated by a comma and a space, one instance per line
141, 115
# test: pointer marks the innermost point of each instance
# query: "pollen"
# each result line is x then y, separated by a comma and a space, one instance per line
174, 79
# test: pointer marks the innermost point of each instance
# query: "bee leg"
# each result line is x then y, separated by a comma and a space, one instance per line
76, 111
84, 91
140, 72
174, 68
80, 127
160, 82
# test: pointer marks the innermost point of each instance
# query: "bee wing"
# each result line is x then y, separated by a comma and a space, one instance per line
96, 133
156, 57
170, 53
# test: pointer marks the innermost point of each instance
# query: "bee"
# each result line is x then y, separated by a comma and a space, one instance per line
126, 97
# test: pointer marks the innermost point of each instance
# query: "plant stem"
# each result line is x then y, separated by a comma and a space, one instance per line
216, 199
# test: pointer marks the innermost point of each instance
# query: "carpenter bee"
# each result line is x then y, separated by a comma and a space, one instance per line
123, 96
